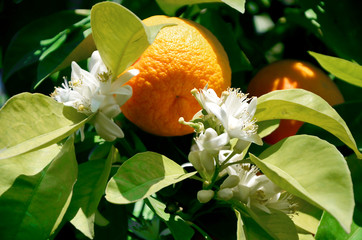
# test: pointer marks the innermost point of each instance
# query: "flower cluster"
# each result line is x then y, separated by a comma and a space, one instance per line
225, 128
95, 92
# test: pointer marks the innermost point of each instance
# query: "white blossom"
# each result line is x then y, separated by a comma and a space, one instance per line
94, 92
257, 190
232, 113
236, 114
211, 141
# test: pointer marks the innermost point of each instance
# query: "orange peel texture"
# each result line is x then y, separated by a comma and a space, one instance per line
182, 57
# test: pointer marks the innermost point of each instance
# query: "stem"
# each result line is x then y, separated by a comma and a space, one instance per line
237, 162
206, 236
228, 159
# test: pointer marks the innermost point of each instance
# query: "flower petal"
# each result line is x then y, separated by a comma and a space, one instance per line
106, 128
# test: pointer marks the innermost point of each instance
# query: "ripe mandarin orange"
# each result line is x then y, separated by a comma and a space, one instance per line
182, 57
287, 74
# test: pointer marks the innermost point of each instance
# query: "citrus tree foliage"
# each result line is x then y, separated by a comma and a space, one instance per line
59, 177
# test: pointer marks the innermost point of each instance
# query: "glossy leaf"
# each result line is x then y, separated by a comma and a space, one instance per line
120, 36
36, 189
341, 68
143, 175
330, 229
313, 170
30, 121
171, 6
79, 46
304, 106
179, 228
336, 32
90, 187
38, 39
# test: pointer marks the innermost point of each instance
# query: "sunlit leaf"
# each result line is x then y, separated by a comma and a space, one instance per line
307, 216
143, 175
90, 186
248, 228
170, 6
352, 118
267, 127
240, 233
304, 106
341, 68
35, 191
30, 121
313, 170
330, 229
278, 223
120, 36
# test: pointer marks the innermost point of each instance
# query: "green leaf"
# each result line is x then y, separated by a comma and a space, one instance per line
35, 191
352, 118
267, 127
143, 175
31, 121
170, 6
277, 223
37, 38
304, 106
341, 68
90, 186
330, 229
307, 216
120, 36
79, 45
339, 34
355, 167
313, 170
179, 228
212, 20
248, 228
240, 233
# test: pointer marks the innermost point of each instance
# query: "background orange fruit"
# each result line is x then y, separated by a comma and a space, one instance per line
287, 74
182, 57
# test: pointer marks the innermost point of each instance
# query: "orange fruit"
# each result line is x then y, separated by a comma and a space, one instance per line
287, 74
182, 57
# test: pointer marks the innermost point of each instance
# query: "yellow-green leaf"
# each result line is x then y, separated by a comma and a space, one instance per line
35, 191
341, 68
170, 6
313, 170
142, 175
31, 121
304, 106
119, 35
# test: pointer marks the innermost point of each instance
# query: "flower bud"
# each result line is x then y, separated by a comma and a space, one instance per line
205, 195
194, 158
225, 194
230, 182
207, 161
